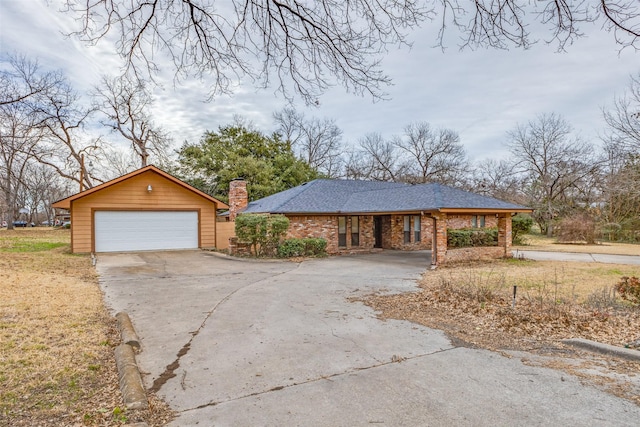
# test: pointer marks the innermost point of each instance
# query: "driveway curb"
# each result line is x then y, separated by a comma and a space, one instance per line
127, 333
131, 387
624, 353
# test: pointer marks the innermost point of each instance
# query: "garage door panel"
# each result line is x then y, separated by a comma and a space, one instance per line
120, 231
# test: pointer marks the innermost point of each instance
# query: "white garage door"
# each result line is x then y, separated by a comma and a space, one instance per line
120, 231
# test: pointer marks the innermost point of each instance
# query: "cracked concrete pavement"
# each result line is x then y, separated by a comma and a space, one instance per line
230, 342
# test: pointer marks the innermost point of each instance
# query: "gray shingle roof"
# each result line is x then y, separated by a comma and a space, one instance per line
326, 196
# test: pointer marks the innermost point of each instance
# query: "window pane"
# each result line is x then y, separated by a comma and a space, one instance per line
342, 224
355, 231
481, 217
416, 228
342, 231
474, 221
407, 229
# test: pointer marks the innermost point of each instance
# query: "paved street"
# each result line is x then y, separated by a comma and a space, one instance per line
579, 257
242, 343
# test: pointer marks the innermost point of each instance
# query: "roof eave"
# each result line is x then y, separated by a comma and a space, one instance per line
484, 210
66, 203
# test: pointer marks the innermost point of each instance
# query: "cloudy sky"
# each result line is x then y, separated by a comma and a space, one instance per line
480, 94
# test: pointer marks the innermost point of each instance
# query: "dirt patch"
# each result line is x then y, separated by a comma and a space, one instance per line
473, 305
57, 364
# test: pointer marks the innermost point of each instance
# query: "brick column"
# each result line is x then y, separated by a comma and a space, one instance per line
238, 197
439, 243
504, 233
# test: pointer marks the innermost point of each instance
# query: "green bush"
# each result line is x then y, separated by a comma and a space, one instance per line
315, 246
291, 248
520, 225
471, 237
458, 238
302, 247
262, 231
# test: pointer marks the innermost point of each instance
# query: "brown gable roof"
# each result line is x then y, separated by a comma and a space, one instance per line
66, 203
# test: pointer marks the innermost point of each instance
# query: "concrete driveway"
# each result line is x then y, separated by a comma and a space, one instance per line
244, 343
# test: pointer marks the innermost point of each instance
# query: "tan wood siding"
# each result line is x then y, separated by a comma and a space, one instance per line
132, 194
225, 231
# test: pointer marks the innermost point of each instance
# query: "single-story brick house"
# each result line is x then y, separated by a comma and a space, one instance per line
355, 215
147, 209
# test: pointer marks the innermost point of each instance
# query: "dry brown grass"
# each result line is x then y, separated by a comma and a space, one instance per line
56, 338
536, 242
569, 281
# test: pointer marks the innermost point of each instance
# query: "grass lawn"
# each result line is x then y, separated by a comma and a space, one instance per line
56, 338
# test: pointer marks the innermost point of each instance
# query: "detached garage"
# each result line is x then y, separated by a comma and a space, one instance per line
147, 209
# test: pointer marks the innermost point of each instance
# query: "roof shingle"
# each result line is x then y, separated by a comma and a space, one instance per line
325, 196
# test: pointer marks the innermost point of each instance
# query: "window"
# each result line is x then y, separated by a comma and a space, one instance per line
416, 228
477, 221
355, 231
407, 229
342, 231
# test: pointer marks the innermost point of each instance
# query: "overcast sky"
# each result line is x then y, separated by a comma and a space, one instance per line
480, 94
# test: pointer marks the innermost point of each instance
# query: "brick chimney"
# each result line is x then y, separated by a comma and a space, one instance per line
238, 197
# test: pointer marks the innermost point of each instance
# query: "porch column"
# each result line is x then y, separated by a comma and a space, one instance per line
504, 233
439, 241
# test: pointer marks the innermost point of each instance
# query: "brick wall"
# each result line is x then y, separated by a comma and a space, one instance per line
505, 234
396, 230
317, 226
474, 254
464, 221
326, 227
238, 197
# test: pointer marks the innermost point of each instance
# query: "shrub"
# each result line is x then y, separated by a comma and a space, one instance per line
472, 237
520, 225
291, 248
302, 247
262, 231
629, 289
577, 228
315, 246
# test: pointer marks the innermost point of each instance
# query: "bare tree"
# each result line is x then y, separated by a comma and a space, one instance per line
624, 119
65, 146
554, 164
19, 136
125, 105
317, 142
497, 178
22, 80
305, 46
432, 155
377, 159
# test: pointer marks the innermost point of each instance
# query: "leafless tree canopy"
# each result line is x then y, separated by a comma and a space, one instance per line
421, 155
555, 165
304, 47
316, 141
125, 105
624, 119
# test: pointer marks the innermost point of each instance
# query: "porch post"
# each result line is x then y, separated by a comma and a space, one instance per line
504, 233
439, 241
